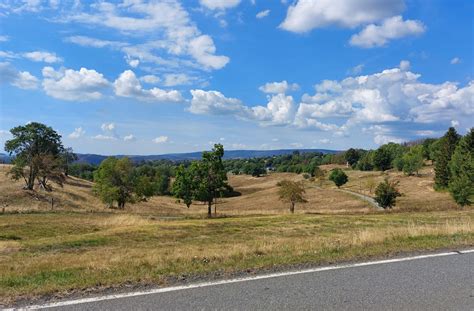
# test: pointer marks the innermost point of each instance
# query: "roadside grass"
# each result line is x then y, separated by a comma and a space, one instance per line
59, 252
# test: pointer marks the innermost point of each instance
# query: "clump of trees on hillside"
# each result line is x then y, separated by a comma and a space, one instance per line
39, 156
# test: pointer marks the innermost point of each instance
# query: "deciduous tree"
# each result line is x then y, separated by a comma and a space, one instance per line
338, 177
291, 192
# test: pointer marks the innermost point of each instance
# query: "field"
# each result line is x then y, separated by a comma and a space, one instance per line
79, 245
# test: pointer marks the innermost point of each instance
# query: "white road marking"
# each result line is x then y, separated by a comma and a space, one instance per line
236, 280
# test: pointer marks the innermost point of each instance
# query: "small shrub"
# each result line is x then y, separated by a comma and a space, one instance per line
386, 193
338, 177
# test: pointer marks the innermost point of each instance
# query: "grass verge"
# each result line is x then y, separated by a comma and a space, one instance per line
53, 253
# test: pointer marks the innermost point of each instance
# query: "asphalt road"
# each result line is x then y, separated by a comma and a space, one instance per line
436, 283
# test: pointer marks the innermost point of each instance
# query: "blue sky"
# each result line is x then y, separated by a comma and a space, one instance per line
151, 77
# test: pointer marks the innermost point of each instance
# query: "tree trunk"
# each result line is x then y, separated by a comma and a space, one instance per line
209, 209
292, 207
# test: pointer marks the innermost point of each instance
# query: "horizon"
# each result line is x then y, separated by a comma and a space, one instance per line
123, 78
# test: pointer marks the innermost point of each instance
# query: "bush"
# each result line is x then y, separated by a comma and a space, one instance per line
386, 194
338, 177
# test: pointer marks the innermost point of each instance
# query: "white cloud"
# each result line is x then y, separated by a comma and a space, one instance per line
127, 85
357, 69
455, 61
405, 65
129, 138
381, 139
263, 14
4, 38
390, 95
78, 132
391, 28
203, 50
150, 79
42, 56
219, 4
454, 123
160, 139
214, 103
278, 87
104, 137
325, 141
68, 84
93, 42
107, 127
133, 62
20, 79
280, 110
163, 32
305, 15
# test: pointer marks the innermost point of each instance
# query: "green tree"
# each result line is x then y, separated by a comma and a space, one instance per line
320, 175
352, 156
446, 149
461, 184
209, 177
338, 177
183, 185
35, 147
144, 187
386, 193
413, 160
427, 146
385, 155
366, 162
114, 181
291, 192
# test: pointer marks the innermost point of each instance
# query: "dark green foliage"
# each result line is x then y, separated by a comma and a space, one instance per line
38, 153
427, 148
115, 181
82, 170
398, 163
385, 155
461, 184
338, 177
366, 162
256, 169
386, 194
352, 156
183, 185
443, 155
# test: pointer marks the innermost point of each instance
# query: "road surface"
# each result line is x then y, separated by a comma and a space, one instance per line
444, 282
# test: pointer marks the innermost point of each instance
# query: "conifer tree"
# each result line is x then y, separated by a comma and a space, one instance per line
443, 155
461, 184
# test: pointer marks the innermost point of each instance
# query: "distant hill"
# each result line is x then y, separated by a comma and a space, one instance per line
4, 158
230, 154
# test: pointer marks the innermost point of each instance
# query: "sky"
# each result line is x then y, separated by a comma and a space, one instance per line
154, 77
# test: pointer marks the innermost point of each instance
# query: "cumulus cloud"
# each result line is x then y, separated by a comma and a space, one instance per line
160, 139
278, 87
214, 103
305, 15
4, 38
42, 56
104, 137
68, 84
21, 79
78, 132
387, 96
219, 4
108, 127
128, 85
405, 65
391, 28
278, 111
262, 14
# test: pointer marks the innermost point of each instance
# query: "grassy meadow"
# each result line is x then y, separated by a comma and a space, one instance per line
80, 244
